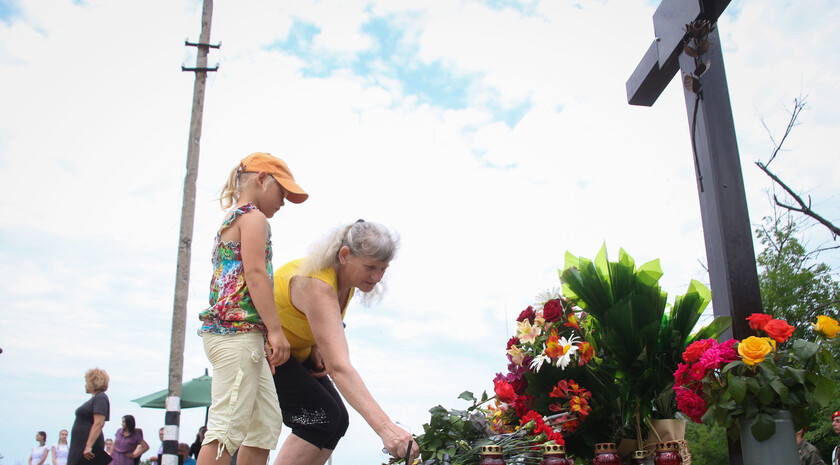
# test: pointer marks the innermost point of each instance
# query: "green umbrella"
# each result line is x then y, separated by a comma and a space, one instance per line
194, 393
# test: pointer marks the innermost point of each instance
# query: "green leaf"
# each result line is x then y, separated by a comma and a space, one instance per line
780, 389
467, 395
737, 388
796, 374
765, 395
753, 385
763, 427
804, 349
825, 390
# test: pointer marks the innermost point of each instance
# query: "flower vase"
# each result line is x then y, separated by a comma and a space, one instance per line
606, 453
779, 448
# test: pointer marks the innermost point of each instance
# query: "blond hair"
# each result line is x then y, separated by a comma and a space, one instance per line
97, 380
237, 182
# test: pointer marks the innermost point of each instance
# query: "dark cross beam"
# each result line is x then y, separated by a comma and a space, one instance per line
723, 204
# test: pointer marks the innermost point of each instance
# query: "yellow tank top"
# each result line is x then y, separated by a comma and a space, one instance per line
295, 325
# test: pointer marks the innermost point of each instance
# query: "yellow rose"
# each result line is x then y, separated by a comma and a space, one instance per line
753, 349
827, 326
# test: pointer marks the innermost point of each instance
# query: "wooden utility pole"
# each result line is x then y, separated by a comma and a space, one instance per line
182, 278
687, 40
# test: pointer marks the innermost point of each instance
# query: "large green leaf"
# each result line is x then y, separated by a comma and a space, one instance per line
763, 427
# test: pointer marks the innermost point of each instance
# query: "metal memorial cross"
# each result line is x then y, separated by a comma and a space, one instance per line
687, 40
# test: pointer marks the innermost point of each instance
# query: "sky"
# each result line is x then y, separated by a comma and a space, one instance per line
493, 136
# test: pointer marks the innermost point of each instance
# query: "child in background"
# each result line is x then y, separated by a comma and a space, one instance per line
243, 338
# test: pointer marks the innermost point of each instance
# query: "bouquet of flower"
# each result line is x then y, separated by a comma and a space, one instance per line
749, 380
599, 358
592, 364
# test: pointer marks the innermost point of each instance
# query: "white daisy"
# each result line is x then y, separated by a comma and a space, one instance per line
569, 348
537, 363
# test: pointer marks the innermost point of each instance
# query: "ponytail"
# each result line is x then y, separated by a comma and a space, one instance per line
230, 191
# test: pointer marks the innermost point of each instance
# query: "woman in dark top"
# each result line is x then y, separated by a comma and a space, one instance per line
90, 417
199, 438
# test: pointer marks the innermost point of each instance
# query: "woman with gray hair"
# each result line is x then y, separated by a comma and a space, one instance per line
311, 295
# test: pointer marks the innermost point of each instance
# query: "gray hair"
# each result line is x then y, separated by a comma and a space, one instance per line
363, 238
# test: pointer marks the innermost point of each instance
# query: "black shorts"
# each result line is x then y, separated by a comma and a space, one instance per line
311, 406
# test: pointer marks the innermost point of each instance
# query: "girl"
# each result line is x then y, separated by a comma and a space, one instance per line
241, 328
41, 451
59, 451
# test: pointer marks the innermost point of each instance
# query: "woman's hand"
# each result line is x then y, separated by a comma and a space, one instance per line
88, 452
396, 441
316, 363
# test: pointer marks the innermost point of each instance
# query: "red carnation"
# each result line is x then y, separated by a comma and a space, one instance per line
505, 391
512, 342
779, 330
758, 320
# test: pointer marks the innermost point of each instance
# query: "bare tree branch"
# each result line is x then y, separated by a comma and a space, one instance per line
803, 207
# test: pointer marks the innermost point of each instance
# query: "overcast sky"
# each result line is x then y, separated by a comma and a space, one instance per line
493, 135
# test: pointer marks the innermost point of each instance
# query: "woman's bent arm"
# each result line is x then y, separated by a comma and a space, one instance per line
318, 301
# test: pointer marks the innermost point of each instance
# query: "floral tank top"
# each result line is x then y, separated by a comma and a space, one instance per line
231, 309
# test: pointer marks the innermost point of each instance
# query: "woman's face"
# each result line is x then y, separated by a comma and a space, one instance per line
362, 271
63, 434
40, 437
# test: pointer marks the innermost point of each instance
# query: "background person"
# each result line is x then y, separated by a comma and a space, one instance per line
184, 454
91, 416
129, 444
835, 423
41, 451
109, 446
242, 317
60, 449
196, 445
808, 453
156, 458
311, 296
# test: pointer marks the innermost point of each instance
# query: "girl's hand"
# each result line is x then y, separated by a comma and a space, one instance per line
396, 440
277, 350
316, 363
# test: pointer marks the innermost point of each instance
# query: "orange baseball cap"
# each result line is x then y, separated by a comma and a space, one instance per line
277, 168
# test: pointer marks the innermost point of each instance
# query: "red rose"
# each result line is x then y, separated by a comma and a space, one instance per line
553, 310
696, 349
505, 391
527, 314
758, 320
779, 330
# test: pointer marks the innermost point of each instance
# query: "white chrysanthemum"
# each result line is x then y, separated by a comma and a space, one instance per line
545, 296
